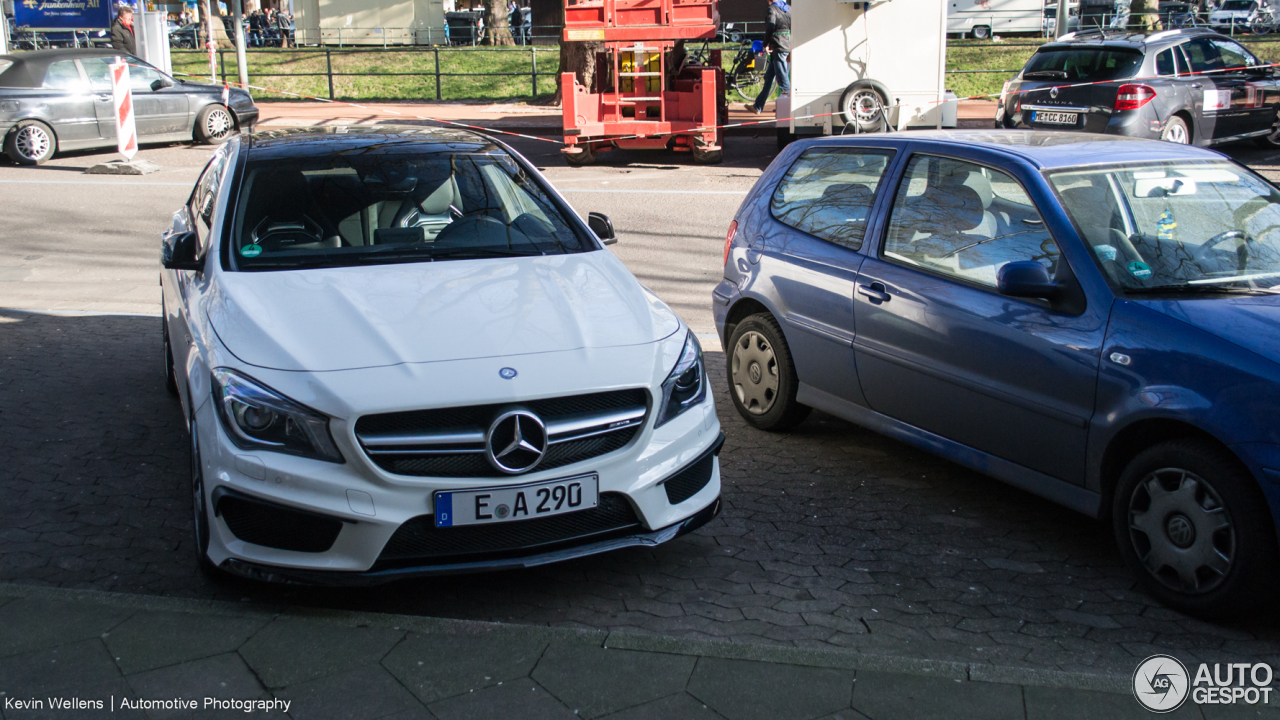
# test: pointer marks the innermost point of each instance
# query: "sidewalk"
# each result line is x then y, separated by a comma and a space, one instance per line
95, 646
537, 119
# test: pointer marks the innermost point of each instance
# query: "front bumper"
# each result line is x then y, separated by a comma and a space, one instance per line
372, 505
266, 573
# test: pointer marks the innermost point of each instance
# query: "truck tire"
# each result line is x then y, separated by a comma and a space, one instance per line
981, 32
586, 157
864, 105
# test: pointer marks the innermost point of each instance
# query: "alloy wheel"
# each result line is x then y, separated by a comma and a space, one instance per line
1175, 133
33, 142
218, 124
1181, 531
755, 373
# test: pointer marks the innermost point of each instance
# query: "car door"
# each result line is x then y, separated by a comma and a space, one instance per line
1223, 94
154, 112
807, 249
70, 104
939, 348
180, 287
1251, 103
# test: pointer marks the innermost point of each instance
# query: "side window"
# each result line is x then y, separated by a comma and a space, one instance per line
828, 193
141, 77
1203, 55
204, 198
965, 221
63, 75
1233, 56
99, 71
1165, 64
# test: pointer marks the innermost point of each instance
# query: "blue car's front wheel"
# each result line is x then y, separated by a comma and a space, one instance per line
1190, 520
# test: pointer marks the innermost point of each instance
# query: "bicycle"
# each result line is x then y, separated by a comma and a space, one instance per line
746, 73
1262, 23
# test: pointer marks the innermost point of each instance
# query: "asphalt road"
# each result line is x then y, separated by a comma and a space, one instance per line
831, 536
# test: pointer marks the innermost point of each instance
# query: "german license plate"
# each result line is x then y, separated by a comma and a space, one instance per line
504, 504
1054, 118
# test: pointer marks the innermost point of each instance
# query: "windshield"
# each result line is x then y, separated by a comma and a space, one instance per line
394, 203
1177, 226
1081, 64
1237, 5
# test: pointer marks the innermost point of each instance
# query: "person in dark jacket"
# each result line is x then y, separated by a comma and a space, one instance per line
778, 48
122, 37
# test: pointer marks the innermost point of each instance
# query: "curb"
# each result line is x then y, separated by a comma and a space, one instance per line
784, 655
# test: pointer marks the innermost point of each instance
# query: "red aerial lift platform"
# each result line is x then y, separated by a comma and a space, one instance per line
647, 93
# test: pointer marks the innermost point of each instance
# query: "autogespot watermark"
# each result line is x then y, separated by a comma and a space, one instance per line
1162, 684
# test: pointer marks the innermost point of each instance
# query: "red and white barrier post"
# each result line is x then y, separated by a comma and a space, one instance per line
122, 104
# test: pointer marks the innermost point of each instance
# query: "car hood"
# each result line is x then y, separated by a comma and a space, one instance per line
1251, 322
374, 316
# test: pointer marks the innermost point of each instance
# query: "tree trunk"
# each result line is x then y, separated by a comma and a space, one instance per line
497, 29
1144, 15
220, 36
579, 58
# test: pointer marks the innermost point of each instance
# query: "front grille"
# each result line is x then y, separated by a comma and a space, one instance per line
419, 542
449, 442
686, 483
275, 526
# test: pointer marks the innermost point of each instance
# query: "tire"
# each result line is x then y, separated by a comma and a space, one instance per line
1271, 141
31, 142
586, 157
214, 125
1176, 131
1191, 522
707, 157
862, 106
981, 32
200, 511
762, 375
170, 377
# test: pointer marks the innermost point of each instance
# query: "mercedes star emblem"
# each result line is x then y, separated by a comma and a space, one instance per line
507, 373
516, 442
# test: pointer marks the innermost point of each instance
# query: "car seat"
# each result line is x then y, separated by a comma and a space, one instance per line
283, 215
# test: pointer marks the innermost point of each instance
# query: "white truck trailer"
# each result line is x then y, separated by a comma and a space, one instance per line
865, 67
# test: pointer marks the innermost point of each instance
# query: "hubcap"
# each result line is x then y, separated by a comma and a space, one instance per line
218, 124
755, 373
32, 142
1181, 531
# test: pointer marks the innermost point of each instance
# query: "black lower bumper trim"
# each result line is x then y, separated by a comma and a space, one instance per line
271, 573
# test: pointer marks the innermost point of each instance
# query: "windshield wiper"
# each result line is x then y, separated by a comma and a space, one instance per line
481, 252
1055, 74
1185, 289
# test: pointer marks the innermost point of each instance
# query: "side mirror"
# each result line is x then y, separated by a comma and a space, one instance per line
1026, 279
180, 251
602, 226
160, 84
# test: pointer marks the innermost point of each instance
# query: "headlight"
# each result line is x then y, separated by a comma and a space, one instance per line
686, 386
258, 418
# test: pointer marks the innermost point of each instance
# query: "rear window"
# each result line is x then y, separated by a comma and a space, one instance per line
1084, 64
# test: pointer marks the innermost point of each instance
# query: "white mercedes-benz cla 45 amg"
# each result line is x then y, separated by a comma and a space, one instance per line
400, 352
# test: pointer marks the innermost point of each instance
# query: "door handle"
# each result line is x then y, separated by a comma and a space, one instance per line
876, 291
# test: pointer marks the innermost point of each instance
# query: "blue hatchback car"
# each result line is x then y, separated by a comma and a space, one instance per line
1091, 318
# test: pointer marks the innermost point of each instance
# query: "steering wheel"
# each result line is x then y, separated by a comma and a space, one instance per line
1202, 253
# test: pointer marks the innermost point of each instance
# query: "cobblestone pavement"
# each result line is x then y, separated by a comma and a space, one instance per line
831, 536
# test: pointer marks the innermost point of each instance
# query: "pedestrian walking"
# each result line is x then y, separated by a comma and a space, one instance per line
284, 25
122, 37
255, 28
778, 48
515, 18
